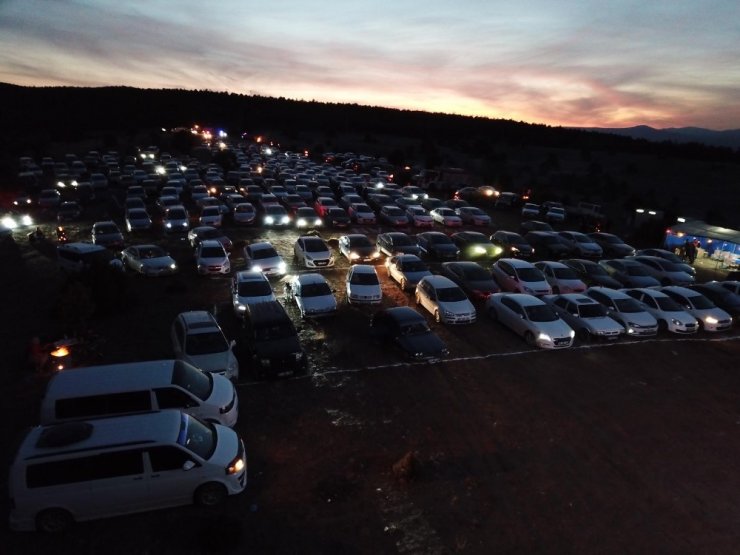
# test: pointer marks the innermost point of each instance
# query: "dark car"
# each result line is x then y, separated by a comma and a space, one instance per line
474, 245
437, 245
430, 203
547, 244
670, 257
613, 246
474, 279
69, 211
271, 342
396, 242
722, 297
377, 200
107, 234
512, 244
408, 330
629, 273
356, 247
337, 218
534, 225
591, 273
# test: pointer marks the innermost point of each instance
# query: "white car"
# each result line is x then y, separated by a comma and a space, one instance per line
176, 219
710, 316
588, 318
670, 315
262, 257
149, 260
444, 299
312, 294
197, 339
406, 269
418, 217
532, 318
363, 285
137, 219
356, 247
562, 278
637, 321
249, 287
313, 252
211, 258
473, 215
519, 276
446, 217
210, 215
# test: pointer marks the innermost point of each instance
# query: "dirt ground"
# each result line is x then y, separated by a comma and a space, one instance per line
600, 448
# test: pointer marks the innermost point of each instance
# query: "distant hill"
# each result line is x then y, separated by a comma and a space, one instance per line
729, 138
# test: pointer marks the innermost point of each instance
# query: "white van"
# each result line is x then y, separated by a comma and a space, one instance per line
92, 469
117, 389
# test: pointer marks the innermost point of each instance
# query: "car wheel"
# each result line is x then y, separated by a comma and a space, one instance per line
437, 317
53, 521
584, 335
529, 338
403, 284
210, 494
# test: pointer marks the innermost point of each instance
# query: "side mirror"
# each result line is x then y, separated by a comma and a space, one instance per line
232, 344
188, 465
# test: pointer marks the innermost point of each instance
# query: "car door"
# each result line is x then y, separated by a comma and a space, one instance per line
512, 315
395, 268
509, 281
177, 335
169, 482
119, 481
428, 297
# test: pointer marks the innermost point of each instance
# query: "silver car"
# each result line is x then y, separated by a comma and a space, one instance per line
562, 278
588, 318
670, 315
312, 294
149, 260
710, 316
406, 269
444, 299
637, 321
532, 318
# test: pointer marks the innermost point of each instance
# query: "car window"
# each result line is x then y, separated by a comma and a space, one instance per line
173, 398
167, 458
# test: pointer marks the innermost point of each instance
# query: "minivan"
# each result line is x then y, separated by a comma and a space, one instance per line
116, 389
84, 470
79, 257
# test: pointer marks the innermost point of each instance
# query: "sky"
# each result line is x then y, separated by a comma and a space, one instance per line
587, 63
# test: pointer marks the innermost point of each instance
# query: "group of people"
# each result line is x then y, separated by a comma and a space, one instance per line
689, 250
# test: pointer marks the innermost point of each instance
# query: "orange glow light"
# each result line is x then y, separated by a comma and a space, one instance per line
60, 352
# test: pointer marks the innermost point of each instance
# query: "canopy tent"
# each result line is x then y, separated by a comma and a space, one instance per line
720, 243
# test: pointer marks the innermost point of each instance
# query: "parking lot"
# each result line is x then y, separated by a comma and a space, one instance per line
619, 447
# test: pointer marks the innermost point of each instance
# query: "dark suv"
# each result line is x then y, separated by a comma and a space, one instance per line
271, 342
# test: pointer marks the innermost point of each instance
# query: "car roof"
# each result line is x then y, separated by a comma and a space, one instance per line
80, 382
472, 236
516, 262
551, 264
649, 291
404, 314
311, 277
363, 269
439, 281
211, 243
611, 293
578, 298
249, 275
198, 319
685, 291
523, 299
260, 245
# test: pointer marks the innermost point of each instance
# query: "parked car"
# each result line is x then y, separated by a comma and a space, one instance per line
629, 273
322, 204
477, 282
446, 217
244, 213
555, 214
430, 203
361, 214
107, 234
69, 211
362, 285
732, 286
198, 339
418, 217
473, 245
275, 215
337, 218
666, 272
262, 257
149, 260
721, 296
210, 215
408, 330
249, 287
444, 299
406, 269
711, 318
393, 215
472, 215
530, 210
211, 258
562, 278
311, 294
547, 244
612, 245
435, 244
669, 314
588, 318
581, 245
592, 273
306, 218
137, 219
637, 321
356, 247
670, 257
534, 225
520, 276
512, 244
203, 233
176, 220
396, 242
312, 251
531, 318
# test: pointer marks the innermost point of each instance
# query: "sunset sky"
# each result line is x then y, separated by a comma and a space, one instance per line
588, 63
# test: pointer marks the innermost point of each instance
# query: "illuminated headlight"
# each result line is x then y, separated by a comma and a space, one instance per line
269, 220
711, 320
160, 170
497, 250
544, 337
9, 222
168, 224
676, 322
256, 268
572, 334
26, 220
318, 222
354, 256
143, 156
235, 466
479, 250
173, 266
241, 307
514, 249
282, 266
285, 219
376, 254
183, 168
300, 222
184, 224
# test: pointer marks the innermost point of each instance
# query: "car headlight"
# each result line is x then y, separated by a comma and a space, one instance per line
269, 220
26, 220
235, 466
354, 255
9, 222
282, 266
676, 322
448, 313
256, 268
528, 290
376, 254
300, 222
285, 219
241, 308
514, 249
318, 222
711, 320
544, 337
572, 334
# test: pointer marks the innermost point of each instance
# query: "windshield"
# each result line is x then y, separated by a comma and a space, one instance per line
267, 252
440, 239
670, 266
106, 229
197, 437
362, 278
550, 240
362, 208
212, 252
540, 313
280, 330
254, 288
211, 211
360, 242
315, 290
476, 273
401, 240
591, 311
635, 270
173, 214
700, 302
564, 273
668, 304
209, 234
244, 208
193, 380
152, 252
450, 295
206, 343
627, 305
611, 239
530, 274
393, 210
415, 328
337, 213
137, 213
315, 245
